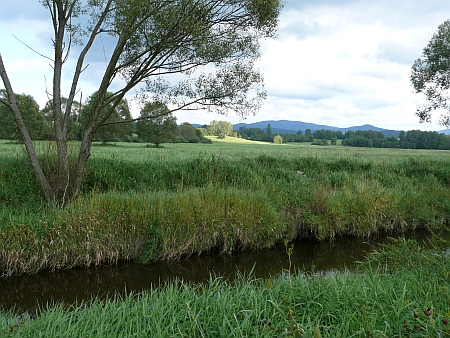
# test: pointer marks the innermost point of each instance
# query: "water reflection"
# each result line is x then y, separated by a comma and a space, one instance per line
26, 292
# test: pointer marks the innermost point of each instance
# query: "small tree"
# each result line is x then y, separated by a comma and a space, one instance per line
220, 128
33, 118
224, 129
278, 139
116, 125
157, 124
188, 132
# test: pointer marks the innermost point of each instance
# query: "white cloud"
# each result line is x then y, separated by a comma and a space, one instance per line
348, 65
340, 63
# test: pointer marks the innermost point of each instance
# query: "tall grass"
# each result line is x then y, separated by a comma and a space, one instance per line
147, 204
105, 228
400, 291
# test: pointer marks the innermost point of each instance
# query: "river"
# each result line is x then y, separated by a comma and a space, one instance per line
25, 293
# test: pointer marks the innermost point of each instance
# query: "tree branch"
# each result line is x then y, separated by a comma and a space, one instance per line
33, 49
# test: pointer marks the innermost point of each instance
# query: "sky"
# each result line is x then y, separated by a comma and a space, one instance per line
339, 63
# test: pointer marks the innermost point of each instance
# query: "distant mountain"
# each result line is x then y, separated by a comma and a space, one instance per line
291, 127
446, 131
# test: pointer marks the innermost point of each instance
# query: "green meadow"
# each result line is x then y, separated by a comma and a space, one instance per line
146, 204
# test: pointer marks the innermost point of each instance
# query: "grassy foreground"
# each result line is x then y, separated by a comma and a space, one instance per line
151, 204
400, 291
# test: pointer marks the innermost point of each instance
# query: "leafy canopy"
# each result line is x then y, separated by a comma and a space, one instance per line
157, 125
32, 117
430, 75
115, 127
185, 54
188, 54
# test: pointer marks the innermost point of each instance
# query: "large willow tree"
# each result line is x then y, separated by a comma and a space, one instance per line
187, 54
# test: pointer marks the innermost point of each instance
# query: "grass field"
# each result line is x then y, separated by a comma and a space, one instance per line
149, 204
146, 204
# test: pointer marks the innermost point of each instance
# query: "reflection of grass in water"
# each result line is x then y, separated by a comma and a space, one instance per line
401, 291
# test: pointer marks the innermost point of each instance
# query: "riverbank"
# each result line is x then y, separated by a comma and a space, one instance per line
149, 204
399, 291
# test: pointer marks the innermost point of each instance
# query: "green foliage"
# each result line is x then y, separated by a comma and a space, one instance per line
157, 124
259, 134
413, 139
164, 203
105, 228
74, 127
185, 54
188, 36
430, 75
221, 129
278, 139
322, 142
17, 184
190, 134
33, 119
327, 134
187, 131
113, 128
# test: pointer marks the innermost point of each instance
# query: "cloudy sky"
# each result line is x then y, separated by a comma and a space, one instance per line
335, 62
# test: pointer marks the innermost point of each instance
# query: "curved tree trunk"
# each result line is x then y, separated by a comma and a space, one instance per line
12, 104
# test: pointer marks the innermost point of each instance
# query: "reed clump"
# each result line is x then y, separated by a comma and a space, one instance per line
108, 227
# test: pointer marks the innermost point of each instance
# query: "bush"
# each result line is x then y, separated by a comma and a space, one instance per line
322, 142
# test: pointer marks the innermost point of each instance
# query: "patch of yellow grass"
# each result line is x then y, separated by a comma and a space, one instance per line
230, 139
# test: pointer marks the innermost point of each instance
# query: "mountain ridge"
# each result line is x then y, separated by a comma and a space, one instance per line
292, 127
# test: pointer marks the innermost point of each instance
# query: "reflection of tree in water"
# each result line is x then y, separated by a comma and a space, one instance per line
25, 292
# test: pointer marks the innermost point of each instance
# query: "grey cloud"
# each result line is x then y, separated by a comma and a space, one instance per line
302, 30
22, 10
392, 51
401, 14
301, 4
308, 95
319, 91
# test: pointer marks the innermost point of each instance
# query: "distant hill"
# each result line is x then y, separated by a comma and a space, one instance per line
291, 127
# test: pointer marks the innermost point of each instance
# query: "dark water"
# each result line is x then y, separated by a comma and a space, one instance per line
24, 293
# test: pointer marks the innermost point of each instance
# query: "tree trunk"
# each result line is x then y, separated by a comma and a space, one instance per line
62, 178
83, 156
37, 169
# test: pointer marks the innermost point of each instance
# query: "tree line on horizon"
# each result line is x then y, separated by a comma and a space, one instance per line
412, 139
155, 124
